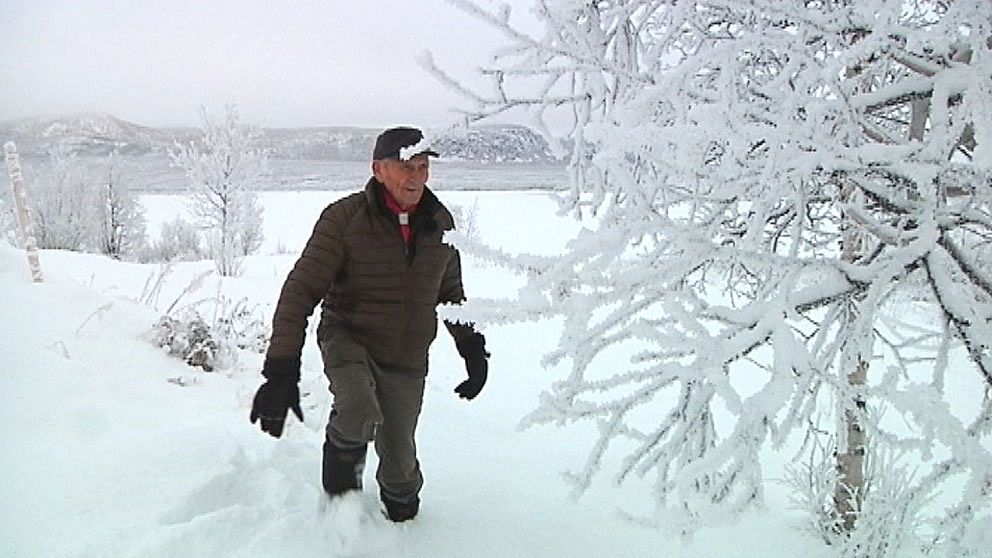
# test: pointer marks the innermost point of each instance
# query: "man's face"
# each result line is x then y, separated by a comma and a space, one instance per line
405, 180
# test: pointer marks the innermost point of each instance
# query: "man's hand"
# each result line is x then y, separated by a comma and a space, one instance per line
272, 401
473, 350
277, 396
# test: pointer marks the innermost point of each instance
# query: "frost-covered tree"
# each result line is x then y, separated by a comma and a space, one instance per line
791, 211
61, 200
222, 171
120, 218
248, 236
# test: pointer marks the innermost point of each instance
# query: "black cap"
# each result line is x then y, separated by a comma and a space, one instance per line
390, 142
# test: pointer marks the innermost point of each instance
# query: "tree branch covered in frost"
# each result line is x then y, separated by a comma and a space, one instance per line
771, 181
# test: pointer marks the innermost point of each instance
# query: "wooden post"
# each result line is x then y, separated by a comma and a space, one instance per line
24, 218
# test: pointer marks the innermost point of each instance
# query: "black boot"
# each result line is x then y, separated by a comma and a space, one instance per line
400, 510
342, 470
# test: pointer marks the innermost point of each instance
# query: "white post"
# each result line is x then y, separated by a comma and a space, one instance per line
23, 212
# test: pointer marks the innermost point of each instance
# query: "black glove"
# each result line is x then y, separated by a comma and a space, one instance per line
277, 395
473, 349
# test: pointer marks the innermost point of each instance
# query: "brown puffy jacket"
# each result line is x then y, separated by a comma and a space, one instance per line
385, 293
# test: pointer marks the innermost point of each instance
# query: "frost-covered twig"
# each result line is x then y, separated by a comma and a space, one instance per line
99, 312
194, 285
153, 285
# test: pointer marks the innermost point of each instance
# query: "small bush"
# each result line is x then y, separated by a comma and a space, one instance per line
189, 338
211, 346
179, 241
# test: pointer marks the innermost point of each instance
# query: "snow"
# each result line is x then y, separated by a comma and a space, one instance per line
426, 143
106, 454
122, 460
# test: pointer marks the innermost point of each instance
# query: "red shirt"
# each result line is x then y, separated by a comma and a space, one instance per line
403, 215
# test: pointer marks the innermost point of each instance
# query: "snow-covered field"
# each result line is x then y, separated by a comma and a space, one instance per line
112, 448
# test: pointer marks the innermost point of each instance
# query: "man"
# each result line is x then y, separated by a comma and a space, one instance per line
377, 260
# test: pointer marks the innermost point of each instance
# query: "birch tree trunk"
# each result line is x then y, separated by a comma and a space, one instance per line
849, 491
23, 212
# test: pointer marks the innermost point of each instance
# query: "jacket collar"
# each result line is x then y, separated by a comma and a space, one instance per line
375, 194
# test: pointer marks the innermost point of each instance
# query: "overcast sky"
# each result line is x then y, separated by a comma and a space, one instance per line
284, 63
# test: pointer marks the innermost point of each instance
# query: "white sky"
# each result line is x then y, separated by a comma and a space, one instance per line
284, 63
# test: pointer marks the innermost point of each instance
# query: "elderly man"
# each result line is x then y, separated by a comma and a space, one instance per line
377, 260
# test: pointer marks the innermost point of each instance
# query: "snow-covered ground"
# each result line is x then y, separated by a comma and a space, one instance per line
112, 448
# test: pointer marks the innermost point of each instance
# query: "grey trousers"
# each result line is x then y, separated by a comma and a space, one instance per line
374, 403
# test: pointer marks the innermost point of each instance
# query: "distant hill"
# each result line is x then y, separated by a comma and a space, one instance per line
99, 134
86, 134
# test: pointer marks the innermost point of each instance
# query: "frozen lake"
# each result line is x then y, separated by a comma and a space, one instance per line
155, 174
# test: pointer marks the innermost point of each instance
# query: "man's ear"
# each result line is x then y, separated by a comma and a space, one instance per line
376, 170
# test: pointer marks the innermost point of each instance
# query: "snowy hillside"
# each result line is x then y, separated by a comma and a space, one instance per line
491, 143
111, 448
87, 134
99, 134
